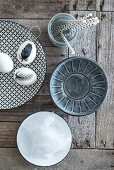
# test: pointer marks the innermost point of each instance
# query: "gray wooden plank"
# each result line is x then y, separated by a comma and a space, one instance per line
11, 159
104, 5
8, 132
37, 103
31, 9
81, 5
83, 128
54, 56
105, 57
85, 43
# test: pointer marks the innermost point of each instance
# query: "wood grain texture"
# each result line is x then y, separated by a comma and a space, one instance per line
11, 159
83, 128
31, 8
8, 132
85, 43
105, 57
38, 103
54, 56
104, 5
81, 5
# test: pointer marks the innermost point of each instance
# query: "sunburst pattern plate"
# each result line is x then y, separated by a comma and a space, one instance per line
78, 86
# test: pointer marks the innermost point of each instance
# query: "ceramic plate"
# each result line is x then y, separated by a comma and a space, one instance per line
44, 139
12, 35
78, 86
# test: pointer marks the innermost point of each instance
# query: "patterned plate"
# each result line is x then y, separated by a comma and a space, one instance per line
78, 86
12, 35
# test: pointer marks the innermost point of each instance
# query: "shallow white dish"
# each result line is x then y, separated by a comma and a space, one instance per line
44, 139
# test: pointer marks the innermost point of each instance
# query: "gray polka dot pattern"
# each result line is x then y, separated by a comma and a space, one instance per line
12, 35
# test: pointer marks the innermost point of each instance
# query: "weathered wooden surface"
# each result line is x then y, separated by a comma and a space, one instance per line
8, 132
91, 5
42, 9
105, 5
35, 105
92, 131
76, 160
31, 8
85, 43
83, 128
82, 5
105, 57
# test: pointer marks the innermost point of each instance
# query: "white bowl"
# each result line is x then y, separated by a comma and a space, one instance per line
44, 139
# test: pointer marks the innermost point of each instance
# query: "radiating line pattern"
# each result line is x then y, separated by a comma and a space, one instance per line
72, 66
79, 66
92, 100
98, 82
95, 76
66, 68
60, 99
56, 86
57, 79
91, 71
86, 68
97, 86
61, 73
96, 94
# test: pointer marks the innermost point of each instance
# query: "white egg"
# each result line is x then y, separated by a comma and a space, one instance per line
25, 76
6, 63
26, 52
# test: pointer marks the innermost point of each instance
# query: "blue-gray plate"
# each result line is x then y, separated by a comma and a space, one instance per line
78, 86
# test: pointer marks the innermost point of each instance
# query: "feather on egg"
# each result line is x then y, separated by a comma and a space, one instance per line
25, 76
26, 52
